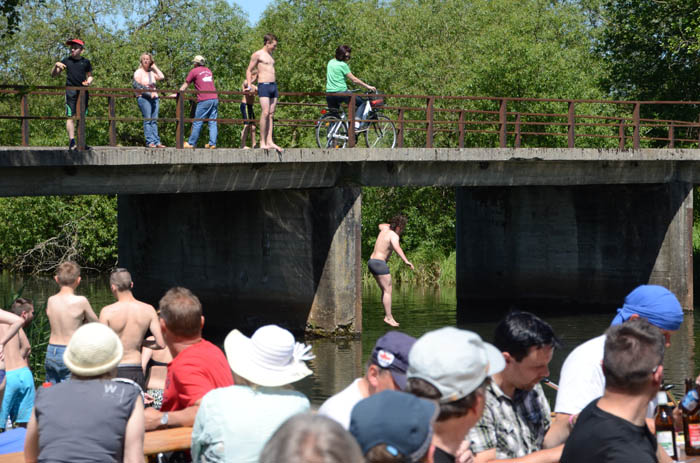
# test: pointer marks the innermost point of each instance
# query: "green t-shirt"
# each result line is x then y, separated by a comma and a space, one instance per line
335, 76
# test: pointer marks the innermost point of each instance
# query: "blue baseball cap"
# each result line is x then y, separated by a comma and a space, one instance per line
401, 421
391, 352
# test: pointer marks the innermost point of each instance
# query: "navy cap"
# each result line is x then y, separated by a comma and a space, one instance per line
391, 352
401, 421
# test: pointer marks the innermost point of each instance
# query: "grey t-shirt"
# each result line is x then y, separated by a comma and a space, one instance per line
84, 421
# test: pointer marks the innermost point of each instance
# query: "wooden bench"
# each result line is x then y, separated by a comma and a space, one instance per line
155, 442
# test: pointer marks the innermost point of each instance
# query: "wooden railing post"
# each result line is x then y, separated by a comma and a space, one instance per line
351, 122
461, 129
180, 116
399, 141
112, 121
671, 136
24, 112
82, 97
572, 124
503, 119
622, 135
430, 118
636, 121
517, 130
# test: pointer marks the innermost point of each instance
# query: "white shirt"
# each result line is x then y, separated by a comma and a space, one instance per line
339, 406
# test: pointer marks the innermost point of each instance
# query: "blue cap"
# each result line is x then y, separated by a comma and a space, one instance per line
401, 421
391, 352
655, 303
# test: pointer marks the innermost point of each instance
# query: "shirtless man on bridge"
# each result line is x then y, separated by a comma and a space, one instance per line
66, 312
387, 241
130, 319
268, 94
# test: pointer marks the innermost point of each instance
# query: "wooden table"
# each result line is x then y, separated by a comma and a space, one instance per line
155, 442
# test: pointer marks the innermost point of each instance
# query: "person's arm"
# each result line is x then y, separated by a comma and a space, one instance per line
158, 341
559, 430
251, 66
57, 68
88, 81
397, 247
15, 322
384, 226
24, 347
176, 419
552, 455
157, 73
357, 81
146, 354
31, 441
89, 314
133, 439
103, 318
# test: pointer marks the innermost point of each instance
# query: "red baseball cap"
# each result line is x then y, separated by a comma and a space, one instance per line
76, 41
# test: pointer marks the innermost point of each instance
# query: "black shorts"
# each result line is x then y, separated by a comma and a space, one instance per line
72, 101
247, 113
268, 90
132, 372
334, 101
378, 267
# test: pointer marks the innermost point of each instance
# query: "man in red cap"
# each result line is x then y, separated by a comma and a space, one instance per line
78, 74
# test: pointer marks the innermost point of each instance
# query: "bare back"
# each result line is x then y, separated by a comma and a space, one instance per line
265, 64
16, 351
131, 320
383, 247
67, 312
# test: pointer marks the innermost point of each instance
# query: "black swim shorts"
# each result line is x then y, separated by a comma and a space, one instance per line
378, 267
247, 113
268, 90
72, 101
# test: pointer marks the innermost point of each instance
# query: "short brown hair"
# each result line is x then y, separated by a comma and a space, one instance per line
21, 305
455, 409
398, 221
67, 273
121, 279
181, 311
342, 51
268, 38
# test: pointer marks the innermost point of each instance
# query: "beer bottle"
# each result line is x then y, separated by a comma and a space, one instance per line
691, 425
665, 435
691, 401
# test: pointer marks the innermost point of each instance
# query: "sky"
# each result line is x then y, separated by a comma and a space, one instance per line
254, 8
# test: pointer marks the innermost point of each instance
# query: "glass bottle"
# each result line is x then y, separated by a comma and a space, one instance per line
665, 434
691, 424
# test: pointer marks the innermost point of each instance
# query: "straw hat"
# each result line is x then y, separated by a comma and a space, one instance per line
94, 349
270, 357
199, 59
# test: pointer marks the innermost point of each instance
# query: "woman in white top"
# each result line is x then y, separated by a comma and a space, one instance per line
145, 78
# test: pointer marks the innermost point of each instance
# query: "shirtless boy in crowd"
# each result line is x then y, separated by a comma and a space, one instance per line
264, 63
66, 312
387, 241
18, 400
131, 319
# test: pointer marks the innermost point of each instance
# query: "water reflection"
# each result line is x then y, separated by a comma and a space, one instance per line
419, 310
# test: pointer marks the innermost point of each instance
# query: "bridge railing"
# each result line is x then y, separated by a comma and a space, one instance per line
420, 120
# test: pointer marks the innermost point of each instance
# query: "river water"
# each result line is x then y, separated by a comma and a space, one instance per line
339, 361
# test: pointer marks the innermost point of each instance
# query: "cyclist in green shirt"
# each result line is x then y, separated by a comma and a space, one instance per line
336, 73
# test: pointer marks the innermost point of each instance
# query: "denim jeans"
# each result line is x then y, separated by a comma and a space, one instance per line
207, 109
56, 370
149, 109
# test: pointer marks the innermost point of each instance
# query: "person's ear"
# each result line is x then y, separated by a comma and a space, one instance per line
373, 375
508, 358
633, 316
202, 327
658, 376
163, 327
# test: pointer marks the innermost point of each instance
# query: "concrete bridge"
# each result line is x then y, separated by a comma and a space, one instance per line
263, 237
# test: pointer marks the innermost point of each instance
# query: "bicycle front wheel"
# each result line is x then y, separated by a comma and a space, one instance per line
331, 132
381, 133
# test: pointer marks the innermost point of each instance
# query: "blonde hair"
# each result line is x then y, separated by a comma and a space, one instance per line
145, 54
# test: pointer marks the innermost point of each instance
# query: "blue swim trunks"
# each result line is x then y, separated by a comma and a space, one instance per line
56, 370
268, 90
18, 401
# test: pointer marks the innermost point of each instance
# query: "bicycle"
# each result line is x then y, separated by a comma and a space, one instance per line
332, 128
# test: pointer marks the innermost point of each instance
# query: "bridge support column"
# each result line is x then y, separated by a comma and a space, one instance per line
289, 257
546, 248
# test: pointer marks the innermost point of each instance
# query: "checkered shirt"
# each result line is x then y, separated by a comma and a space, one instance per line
514, 427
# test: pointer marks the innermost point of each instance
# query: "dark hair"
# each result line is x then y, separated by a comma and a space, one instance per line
181, 311
397, 221
519, 331
268, 38
21, 305
632, 351
455, 409
308, 437
380, 454
121, 279
342, 51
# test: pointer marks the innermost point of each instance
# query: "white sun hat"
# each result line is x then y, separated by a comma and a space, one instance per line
270, 357
94, 349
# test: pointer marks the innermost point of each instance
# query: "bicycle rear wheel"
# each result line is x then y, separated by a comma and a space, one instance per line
381, 133
331, 132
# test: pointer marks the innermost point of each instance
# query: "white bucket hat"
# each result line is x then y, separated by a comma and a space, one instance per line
94, 349
455, 361
270, 357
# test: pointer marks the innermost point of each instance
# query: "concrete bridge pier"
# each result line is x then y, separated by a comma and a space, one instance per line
547, 248
289, 257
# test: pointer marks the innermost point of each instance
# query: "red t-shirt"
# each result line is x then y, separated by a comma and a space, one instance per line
203, 80
194, 372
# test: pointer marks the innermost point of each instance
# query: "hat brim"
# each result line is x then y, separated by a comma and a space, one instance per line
238, 348
399, 378
77, 43
96, 370
495, 357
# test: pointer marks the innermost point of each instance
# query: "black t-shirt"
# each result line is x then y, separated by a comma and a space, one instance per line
440, 456
76, 71
604, 438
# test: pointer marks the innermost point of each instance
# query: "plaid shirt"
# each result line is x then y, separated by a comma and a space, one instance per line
514, 427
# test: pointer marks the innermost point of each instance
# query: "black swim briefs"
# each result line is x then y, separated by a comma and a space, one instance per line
378, 267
